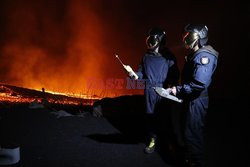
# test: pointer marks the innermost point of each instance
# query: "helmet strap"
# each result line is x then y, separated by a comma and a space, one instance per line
193, 44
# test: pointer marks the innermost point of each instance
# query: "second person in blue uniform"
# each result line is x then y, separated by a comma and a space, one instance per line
196, 79
159, 69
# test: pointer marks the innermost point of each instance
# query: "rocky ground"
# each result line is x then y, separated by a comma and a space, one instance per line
111, 134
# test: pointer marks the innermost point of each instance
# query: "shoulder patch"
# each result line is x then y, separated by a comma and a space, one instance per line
204, 60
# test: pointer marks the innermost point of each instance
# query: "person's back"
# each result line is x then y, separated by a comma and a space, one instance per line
155, 68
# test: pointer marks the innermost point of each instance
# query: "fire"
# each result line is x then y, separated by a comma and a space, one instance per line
11, 94
57, 49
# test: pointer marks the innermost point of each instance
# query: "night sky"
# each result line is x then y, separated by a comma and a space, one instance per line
58, 44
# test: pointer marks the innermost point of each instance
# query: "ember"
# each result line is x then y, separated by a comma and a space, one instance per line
12, 94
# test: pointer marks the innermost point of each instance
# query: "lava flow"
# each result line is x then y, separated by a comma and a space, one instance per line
12, 94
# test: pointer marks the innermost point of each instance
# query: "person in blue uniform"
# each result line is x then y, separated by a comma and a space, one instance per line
196, 78
159, 69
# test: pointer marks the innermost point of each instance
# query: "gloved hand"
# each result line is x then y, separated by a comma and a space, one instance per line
130, 72
172, 90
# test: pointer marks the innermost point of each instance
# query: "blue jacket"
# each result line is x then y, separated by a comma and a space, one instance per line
157, 69
197, 73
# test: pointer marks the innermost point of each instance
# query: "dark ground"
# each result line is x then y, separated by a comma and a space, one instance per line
115, 140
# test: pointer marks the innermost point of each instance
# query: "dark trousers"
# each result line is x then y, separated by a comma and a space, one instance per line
194, 129
159, 122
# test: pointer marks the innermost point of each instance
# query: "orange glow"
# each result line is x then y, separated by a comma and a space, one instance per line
184, 36
57, 54
28, 96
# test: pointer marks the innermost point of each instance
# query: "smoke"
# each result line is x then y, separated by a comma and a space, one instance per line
57, 45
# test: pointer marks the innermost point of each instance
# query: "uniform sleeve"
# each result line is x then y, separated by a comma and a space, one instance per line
173, 74
202, 75
204, 69
140, 71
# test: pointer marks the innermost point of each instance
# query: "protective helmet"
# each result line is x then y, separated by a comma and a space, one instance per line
195, 34
156, 38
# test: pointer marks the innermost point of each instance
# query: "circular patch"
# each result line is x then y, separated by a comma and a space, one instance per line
204, 60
